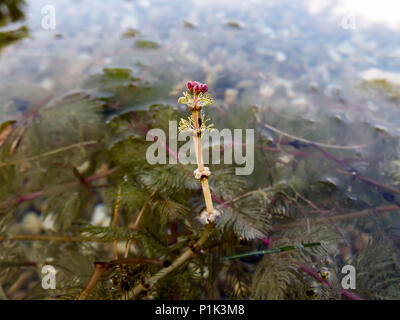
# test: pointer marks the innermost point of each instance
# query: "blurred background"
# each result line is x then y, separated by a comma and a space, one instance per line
282, 51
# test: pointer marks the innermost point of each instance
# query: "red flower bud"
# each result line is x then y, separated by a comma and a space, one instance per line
195, 87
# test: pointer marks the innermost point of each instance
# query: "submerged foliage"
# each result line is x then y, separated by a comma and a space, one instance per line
76, 186
12, 11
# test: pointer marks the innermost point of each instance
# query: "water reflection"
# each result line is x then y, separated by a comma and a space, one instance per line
284, 52
367, 12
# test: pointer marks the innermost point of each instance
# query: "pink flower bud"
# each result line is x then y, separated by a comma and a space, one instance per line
204, 88
195, 87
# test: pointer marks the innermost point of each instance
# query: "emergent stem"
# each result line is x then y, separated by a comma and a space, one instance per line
197, 140
199, 156
191, 251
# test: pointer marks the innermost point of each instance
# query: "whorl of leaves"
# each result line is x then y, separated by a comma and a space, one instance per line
247, 215
278, 276
378, 270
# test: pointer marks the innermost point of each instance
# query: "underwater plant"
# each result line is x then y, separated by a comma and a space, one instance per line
78, 194
195, 100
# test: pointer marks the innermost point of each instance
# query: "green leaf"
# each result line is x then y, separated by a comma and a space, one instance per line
182, 100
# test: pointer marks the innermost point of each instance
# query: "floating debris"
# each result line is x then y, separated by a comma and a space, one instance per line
189, 24
234, 25
130, 33
146, 44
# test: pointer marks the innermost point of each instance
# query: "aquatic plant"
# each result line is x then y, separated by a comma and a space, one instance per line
12, 11
77, 193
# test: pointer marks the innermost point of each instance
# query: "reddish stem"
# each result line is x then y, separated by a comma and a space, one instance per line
315, 275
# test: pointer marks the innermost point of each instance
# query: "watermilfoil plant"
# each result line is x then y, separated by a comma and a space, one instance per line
115, 226
196, 99
197, 125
